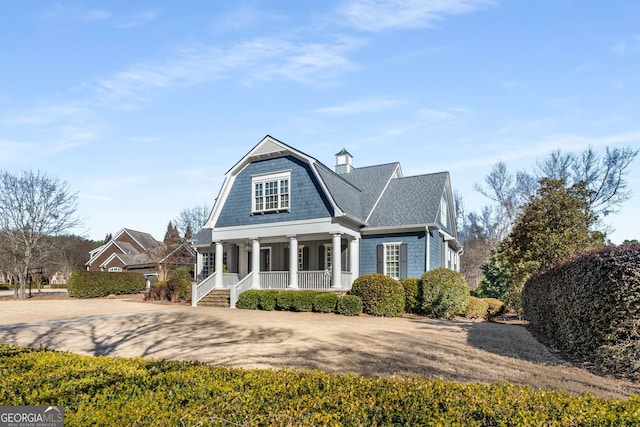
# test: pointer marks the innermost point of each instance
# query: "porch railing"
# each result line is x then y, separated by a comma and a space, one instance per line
314, 279
235, 290
200, 290
274, 279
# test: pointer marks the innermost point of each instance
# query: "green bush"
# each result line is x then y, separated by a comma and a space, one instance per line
93, 284
589, 305
381, 295
411, 295
267, 300
349, 305
249, 300
183, 273
445, 293
303, 300
150, 392
284, 300
496, 307
325, 302
477, 309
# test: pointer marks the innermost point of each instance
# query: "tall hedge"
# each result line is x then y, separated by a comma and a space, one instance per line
445, 293
93, 284
589, 305
381, 295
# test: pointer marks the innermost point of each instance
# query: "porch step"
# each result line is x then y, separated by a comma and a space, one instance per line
216, 298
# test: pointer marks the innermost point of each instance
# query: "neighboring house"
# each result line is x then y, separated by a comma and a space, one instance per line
284, 220
136, 251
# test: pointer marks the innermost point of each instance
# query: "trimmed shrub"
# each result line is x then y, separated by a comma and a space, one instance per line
151, 392
445, 293
411, 295
249, 300
589, 305
496, 307
477, 309
93, 284
349, 305
284, 300
381, 295
303, 300
174, 286
267, 300
325, 302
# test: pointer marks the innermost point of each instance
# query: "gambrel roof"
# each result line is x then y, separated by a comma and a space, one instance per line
375, 197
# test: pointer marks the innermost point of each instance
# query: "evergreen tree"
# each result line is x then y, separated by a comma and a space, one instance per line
188, 234
171, 237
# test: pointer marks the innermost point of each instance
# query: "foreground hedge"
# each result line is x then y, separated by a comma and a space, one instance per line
589, 306
92, 284
117, 391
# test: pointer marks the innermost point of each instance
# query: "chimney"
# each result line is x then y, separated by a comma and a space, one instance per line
344, 162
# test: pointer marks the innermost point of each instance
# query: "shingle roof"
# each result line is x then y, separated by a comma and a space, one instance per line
346, 196
145, 239
410, 201
371, 181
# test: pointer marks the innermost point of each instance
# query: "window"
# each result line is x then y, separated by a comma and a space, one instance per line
300, 258
392, 260
271, 193
328, 256
207, 263
115, 270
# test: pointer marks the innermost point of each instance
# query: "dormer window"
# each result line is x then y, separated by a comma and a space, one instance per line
271, 192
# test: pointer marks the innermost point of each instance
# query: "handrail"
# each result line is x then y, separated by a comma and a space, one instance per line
235, 290
200, 290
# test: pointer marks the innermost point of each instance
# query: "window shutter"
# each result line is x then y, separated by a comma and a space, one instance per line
305, 258
403, 261
286, 259
321, 258
380, 253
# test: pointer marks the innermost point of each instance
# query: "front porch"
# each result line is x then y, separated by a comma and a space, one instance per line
277, 263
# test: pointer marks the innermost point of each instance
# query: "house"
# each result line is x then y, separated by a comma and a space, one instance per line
137, 251
284, 220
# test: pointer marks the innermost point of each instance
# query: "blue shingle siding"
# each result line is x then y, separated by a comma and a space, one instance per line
416, 250
307, 199
435, 259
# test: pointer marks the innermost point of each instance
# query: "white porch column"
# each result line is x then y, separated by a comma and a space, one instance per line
293, 262
336, 261
255, 262
354, 258
199, 263
218, 265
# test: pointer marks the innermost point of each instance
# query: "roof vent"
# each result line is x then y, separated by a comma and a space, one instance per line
344, 162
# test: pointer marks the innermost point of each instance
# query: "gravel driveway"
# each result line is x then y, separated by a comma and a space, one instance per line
457, 350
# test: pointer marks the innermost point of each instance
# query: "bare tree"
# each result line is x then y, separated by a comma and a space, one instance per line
604, 177
33, 208
193, 218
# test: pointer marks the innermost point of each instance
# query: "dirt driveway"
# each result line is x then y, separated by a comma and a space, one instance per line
454, 350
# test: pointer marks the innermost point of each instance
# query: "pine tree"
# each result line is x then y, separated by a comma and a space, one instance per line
171, 237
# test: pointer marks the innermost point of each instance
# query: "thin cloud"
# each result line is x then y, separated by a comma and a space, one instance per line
372, 105
258, 59
138, 19
12, 150
626, 46
94, 15
376, 15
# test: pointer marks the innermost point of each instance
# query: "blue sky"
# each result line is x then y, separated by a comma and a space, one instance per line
142, 106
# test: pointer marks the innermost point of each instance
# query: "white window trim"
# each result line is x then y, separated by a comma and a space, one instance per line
300, 257
443, 212
115, 270
384, 260
263, 179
